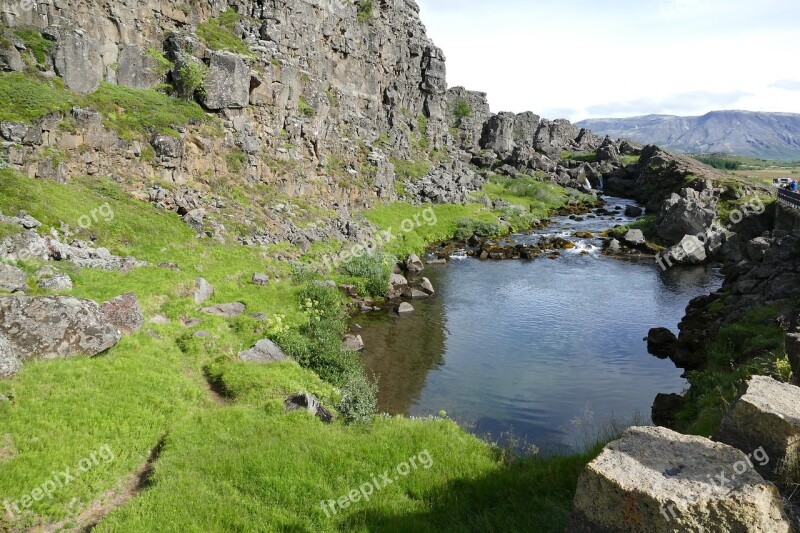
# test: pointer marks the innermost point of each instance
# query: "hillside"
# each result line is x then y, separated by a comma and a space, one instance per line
745, 133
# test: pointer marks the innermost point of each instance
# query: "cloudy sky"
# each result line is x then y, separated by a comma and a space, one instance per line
581, 59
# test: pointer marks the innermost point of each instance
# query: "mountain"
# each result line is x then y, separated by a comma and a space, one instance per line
746, 133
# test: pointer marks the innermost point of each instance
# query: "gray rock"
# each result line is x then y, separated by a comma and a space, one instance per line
657, 480
633, 211
686, 214
325, 283
310, 403
55, 326
665, 409
792, 341
613, 247
160, 319
227, 84
404, 308
397, 284
415, 294
203, 291
260, 279
77, 59
661, 342
10, 58
353, 342
766, 416
265, 351
426, 286
413, 263
9, 364
125, 313
230, 310
194, 219
634, 237
56, 282
12, 279
757, 248
263, 317
690, 251
137, 68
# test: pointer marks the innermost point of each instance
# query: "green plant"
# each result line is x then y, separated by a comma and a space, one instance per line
359, 398
26, 97
236, 159
411, 170
305, 108
164, 65
220, 33
191, 76
373, 271
467, 227
40, 47
462, 110
365, 11
333, 99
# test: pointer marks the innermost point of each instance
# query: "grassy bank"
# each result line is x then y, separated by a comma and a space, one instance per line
230, 457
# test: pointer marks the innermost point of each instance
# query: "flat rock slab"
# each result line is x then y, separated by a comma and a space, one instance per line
656, 480
55, 326
227, 310
766, 416
265, 351
125, 312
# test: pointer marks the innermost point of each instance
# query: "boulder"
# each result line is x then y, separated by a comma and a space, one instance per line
413, 263
203, 291
613, 247
160, 319
766, 416
261, 280
227, 84
633, 211
55, 326
9, 364
10, 58
309, 402
125, 313
685, 214
230, 310
426, 286
353, 342
404, 308
665, 409
690, 251
349, 290
265, 351
194, 219
634, 237
397, 284
56, 282
661, 342
137, 68
656, 480
12, 279
415, 294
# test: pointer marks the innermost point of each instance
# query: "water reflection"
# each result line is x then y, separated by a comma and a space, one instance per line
526, 345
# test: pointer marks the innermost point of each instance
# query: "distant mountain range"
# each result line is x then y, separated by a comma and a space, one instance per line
745, 133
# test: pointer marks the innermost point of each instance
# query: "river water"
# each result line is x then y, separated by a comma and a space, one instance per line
548, 350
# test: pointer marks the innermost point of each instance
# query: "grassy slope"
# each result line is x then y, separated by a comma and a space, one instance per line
247, 463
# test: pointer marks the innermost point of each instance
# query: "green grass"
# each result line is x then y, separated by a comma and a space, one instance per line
537, 196
647, 224
220, 33
411, 170
28, 97
38, 45
750, 346
365, 11
135, 111
215, 476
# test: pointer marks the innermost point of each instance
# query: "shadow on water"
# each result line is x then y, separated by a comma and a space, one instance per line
538, 348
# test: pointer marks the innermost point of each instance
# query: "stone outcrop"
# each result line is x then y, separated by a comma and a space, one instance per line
767, 417
9, 363
653, 479
309, 402
125, 313
687, 213
689, 251
12, 279
54, 326
265, 351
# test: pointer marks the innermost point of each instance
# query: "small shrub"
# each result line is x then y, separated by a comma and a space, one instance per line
38, 45
365, 11
305, 108
462, 110
373, 270
466, 228
220, 33
359, 398
411, 170
164, 64
191, 76
236, 160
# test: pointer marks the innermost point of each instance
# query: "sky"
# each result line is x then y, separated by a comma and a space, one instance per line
579, 59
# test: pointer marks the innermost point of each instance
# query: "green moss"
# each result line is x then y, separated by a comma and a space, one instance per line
411, 170
220, 33
305, 108
629, 159
365, 10
164, 64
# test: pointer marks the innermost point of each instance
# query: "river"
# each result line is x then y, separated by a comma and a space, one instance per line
548, 350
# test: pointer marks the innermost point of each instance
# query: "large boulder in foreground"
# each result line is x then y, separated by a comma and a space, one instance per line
766, 416
657, 480
55, 326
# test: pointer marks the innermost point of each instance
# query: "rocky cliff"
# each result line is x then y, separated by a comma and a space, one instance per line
310, 109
